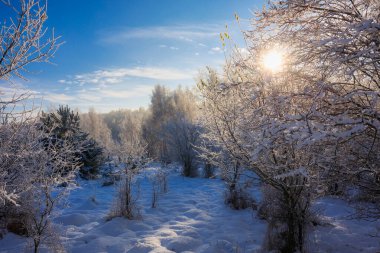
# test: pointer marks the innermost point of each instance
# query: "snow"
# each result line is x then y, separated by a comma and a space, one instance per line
341, 231
191, 217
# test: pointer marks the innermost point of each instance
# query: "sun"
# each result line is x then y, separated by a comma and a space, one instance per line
273, 61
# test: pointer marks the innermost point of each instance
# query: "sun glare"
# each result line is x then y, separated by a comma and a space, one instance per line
273, 61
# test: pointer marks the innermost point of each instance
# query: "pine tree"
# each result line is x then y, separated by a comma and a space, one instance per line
64, 126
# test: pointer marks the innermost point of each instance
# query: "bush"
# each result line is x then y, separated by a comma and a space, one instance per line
92, 157
159, 181
125, 204
288, 218
189, 169
208, 171
14, 220
238, 199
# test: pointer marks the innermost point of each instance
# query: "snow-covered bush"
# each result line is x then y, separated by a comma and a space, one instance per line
155, 181
285, 222
131, 157
237, 194
34, 165
182, 135
159, 182
162, 177
125, 203
208, 170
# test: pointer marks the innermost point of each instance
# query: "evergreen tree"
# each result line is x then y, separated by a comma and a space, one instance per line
64, 126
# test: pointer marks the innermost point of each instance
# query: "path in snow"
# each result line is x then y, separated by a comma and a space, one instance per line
190, 217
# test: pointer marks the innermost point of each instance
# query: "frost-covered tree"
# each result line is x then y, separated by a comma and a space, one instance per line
125, 124
23, 38
245, 119
40, 201
170, 128
93, 123
161, 109
182, 131
220, 113
33, 165
301, 105
333, 56
17, 152
63, 123
31, 161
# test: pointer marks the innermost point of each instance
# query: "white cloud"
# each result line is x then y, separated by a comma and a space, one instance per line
171, 47
58, 98
95, 95
89, 97
179, 32
138, 91
115, 76
62, 81
216, 49
16, 92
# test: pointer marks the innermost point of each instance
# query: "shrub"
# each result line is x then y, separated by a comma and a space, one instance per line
288, 219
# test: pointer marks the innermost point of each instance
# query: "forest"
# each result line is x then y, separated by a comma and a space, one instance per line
283, 138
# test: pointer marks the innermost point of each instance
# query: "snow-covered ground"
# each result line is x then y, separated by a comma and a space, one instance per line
191, 217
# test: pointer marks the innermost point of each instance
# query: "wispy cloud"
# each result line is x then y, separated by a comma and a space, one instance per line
89, 96
215, 50
58, 98
115, 76
8, 93
138, 91
187, 33
86, 97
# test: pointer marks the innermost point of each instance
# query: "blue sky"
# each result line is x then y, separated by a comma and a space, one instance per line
115, 51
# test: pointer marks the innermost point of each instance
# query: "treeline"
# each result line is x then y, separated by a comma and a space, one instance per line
168, 131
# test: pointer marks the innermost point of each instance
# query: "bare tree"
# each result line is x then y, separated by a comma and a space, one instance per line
23, 38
